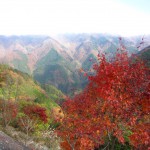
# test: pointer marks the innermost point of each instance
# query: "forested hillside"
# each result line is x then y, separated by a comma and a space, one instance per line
26, 110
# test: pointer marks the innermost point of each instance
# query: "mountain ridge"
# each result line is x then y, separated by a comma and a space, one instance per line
33, 55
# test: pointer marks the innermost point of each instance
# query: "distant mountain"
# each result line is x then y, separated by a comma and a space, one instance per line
15, 51
145, 55
57, 60
55, 69
83, 44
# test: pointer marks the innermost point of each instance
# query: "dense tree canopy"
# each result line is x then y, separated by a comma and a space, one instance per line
114, 107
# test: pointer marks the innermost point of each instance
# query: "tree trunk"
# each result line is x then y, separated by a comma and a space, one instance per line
113, 143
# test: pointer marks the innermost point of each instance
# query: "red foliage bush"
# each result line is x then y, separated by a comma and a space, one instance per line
35, 111
114, 105
8, 111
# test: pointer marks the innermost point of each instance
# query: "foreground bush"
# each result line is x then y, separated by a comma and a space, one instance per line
113, 108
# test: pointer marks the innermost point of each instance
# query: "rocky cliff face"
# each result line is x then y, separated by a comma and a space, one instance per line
8, 143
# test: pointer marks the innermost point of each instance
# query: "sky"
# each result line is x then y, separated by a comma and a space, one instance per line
46, 17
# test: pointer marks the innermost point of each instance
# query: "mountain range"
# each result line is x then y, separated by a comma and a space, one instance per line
57, 59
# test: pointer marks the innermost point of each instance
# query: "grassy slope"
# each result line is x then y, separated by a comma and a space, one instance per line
26, 88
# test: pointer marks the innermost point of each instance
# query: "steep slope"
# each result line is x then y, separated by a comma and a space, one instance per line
14, 50
16, 85
42, 50
82, 45
145, 55
55, 69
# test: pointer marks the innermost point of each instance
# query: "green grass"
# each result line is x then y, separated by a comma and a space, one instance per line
26, 88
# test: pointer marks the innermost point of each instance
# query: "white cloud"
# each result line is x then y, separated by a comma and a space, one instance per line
60, 16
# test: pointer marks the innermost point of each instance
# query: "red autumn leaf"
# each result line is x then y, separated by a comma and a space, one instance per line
114, 104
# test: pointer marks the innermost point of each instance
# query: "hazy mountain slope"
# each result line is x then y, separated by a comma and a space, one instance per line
55, 69
15, 50
41, 56
57, 60
145, 55
81, 45
42, 50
